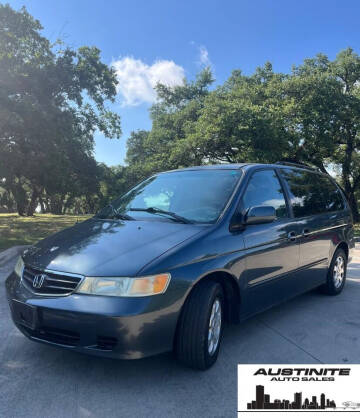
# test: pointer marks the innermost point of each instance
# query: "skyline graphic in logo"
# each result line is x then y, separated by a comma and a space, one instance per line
263, 401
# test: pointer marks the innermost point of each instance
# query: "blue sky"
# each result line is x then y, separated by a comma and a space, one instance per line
153, 40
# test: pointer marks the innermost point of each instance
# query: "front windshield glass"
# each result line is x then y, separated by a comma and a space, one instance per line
197, 195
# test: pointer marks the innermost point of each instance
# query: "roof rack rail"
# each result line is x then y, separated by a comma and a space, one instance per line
290, 163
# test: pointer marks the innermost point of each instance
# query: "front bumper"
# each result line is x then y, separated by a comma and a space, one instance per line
126, 328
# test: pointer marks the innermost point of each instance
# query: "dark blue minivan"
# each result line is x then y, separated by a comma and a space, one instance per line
164, 266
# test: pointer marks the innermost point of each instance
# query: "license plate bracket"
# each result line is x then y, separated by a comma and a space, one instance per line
24, 314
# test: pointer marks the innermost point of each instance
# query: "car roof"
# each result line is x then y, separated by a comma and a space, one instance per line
238, 166
211, 167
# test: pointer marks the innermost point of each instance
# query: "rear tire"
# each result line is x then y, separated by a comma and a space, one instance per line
336, 276
200, 327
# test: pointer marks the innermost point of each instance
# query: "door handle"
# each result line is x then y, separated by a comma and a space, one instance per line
292, 236
306, 232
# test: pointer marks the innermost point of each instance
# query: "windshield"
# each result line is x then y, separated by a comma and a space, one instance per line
198, 196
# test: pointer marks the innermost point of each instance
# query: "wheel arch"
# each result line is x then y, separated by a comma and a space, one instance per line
231, 291
344, 246
232, 295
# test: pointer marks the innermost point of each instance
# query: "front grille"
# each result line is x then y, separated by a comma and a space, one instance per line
49, 282
54, 335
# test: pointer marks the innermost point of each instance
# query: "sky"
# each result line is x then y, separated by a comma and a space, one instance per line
150, 41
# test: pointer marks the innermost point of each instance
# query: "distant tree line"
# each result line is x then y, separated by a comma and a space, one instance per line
52, 100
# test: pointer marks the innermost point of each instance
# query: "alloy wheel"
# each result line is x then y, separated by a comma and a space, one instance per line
339, 271
214, 327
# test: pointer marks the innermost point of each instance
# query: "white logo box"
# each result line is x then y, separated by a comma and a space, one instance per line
331, 389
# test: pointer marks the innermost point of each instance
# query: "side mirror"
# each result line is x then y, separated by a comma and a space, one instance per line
260, 215
237, 223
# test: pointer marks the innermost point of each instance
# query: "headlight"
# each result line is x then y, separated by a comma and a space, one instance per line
19, 267
125, 286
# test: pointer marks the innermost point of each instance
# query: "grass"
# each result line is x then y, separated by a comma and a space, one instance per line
22, 230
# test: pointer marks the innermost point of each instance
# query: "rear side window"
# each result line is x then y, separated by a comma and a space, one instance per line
312, 193
264, 189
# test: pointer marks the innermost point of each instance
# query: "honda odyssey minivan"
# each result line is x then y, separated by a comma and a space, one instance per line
164, 266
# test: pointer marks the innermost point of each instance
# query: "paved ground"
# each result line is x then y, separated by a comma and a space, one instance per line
41, 381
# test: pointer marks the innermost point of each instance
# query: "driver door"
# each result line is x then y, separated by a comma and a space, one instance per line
272, 249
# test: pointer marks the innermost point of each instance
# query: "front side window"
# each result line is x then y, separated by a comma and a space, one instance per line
312, 193
197, 195
264, 189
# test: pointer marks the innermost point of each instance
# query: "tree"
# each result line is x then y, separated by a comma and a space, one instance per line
52, 100
137, 151
240, 121
325, 114
310, 115
174, 117
346, 69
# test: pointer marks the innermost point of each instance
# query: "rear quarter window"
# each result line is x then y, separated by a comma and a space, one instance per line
312, 193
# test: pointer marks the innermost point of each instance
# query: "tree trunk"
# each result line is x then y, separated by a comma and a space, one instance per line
67, 204
346, 175
47, 205
353, 206
56, 203
42, 205
33, 202
20, 198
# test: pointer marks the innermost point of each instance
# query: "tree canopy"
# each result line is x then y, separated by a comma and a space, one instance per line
310, 115
54, 98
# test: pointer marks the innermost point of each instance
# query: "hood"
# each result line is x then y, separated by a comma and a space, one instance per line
108, 248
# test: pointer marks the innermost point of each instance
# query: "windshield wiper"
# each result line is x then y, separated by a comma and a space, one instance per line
117, 215
163, 212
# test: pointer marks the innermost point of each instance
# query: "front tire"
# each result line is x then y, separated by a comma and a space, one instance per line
200, 328
336, 276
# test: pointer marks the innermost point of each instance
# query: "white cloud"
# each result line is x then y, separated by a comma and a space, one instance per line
137, 79
203, 59
204, 56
